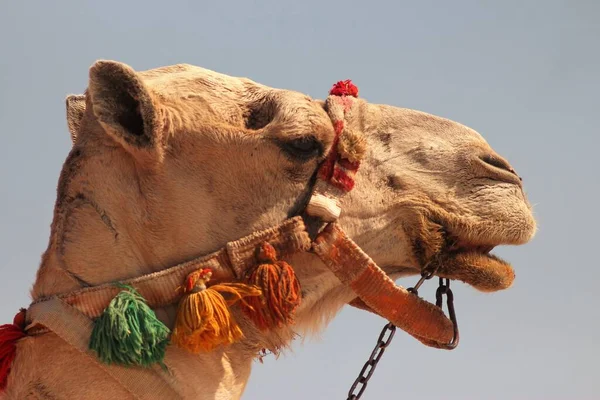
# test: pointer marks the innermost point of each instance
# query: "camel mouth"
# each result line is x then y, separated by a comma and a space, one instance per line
464, 247
476, 267
457, 255
461, 248
474, 264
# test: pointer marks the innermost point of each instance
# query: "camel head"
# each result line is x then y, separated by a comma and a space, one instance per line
172, 163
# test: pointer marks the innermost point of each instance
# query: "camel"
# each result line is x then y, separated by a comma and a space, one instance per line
172, 163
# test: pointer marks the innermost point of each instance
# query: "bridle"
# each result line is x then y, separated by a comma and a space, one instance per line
323, 205
314, 230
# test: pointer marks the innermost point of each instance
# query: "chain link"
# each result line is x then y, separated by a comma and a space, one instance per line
387, 334
426, 274
444, 289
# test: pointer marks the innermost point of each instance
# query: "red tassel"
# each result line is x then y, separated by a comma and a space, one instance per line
344, 88
9, 335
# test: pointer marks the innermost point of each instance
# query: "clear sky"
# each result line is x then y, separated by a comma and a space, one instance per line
525, 74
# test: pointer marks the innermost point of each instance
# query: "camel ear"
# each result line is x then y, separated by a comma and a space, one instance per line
125, 107
75, 111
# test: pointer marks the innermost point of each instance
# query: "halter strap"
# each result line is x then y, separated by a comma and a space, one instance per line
160, 288
352, 266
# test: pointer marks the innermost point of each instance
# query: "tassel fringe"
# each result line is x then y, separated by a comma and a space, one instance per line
204, 321
280, 288
128, 332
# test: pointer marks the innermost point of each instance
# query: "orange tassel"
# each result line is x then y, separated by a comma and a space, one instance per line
280, 288
204, 320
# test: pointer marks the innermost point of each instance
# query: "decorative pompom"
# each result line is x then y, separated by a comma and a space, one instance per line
204, 320
128, 332
344, 88
281, 291
9, 336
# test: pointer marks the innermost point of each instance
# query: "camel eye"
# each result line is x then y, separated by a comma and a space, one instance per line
303, 148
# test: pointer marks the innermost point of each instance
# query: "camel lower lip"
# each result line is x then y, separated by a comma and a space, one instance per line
482, 270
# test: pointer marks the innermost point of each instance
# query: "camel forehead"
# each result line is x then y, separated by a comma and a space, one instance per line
231, 98
189, 79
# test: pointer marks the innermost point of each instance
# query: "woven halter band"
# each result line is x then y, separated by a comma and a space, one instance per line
344, 258
71, 316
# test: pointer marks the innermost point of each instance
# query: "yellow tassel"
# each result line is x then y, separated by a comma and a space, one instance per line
204, 320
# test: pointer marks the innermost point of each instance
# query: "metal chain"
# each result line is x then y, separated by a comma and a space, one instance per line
387, 334
360, 384
444, 289
425, 275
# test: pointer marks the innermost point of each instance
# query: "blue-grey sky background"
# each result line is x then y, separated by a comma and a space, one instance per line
525, 74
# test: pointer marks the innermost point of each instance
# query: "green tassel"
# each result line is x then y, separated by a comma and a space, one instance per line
128, 332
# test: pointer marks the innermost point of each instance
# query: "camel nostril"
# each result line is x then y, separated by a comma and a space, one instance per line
500, 169
497, 162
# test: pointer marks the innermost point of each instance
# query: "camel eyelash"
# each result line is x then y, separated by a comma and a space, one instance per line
302, 148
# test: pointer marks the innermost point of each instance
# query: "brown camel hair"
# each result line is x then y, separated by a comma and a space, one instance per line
172, 163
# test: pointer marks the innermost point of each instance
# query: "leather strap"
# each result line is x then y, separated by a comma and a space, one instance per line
378, 292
